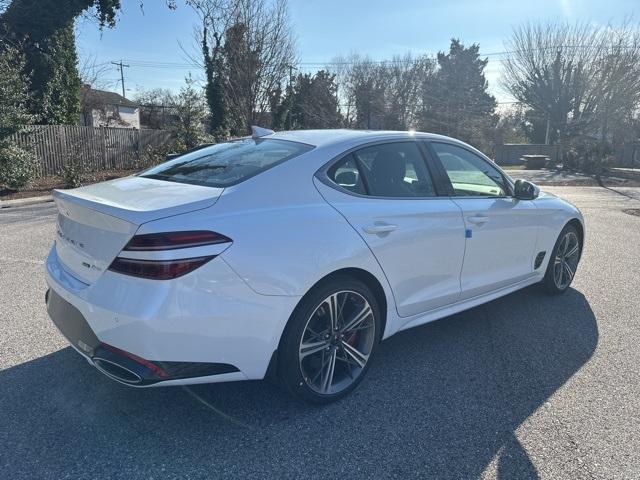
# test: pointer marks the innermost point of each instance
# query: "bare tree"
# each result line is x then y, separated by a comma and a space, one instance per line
381, 94
94, 74
406, 77
215, 17
617, 88
575, 79
259, 50
247, 47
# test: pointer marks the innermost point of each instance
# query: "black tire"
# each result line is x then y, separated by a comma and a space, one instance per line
550, 281
314, 307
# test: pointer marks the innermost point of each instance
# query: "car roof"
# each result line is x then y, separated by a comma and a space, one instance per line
328, 137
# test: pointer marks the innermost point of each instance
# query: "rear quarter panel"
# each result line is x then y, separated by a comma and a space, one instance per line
285, 236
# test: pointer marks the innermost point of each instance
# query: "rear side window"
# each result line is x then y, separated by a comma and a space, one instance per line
347, 175
227, 163
387, 170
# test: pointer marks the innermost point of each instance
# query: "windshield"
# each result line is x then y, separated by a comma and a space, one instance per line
227, 163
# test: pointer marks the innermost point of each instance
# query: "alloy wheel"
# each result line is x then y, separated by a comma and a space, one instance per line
566, 260
337, 341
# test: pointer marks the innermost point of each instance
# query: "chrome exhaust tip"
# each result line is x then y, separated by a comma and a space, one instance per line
116, 371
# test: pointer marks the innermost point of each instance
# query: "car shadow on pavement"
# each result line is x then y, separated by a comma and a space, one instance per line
441, 401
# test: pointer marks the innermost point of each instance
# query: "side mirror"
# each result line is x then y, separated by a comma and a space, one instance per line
526, 190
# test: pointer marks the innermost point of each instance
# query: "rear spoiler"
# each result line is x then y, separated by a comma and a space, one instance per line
259, 132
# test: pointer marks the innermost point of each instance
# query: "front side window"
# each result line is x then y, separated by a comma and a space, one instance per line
387, 170
227, 163
470, 175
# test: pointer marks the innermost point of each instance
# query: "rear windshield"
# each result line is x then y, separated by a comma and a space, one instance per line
227, 163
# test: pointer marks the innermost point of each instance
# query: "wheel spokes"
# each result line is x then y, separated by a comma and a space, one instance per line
573, 251
563, 270
333, 311
565, 244
337, 342
359, 357
358, 319
328, 371
310, 348
557, 271
568, 270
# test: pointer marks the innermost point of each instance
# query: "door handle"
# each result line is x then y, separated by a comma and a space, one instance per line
379, 228
478, 219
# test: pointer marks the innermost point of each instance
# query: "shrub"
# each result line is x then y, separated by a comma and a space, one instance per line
154, 155
18, 167
72, 175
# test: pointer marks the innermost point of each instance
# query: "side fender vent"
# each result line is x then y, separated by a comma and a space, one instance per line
539, 259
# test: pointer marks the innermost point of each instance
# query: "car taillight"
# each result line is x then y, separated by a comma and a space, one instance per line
157, 269
173, 240
165, 269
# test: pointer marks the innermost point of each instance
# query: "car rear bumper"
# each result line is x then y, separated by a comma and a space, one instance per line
207, 326
117, 364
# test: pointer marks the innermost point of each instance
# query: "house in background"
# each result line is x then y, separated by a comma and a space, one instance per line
101, 108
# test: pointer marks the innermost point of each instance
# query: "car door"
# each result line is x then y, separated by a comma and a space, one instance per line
501, 230
387, 194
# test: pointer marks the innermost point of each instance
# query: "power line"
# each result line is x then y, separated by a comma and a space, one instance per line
303, 64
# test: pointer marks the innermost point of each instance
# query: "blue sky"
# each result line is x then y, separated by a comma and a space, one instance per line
326, 28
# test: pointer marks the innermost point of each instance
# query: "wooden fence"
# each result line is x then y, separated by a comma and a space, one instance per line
97, 148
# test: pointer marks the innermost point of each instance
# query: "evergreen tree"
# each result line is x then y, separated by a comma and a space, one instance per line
455, 100
241, 65
280, 106
190, 108
314, 101
17, 166
214, 89
14, 94
55, 75
43, 31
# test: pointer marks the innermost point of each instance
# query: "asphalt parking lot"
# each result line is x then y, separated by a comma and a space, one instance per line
528, 386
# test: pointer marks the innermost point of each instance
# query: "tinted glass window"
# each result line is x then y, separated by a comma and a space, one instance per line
346, 174
227, 163
470, 174
395, 170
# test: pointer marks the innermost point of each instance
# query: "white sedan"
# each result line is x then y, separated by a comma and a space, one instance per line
293, 255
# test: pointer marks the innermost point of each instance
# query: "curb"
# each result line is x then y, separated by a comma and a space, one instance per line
20, 202
628, 173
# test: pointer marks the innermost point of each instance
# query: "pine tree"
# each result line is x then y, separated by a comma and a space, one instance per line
314, 101
455, 100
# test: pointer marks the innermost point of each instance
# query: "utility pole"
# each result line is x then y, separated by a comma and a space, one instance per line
546, 136
288, 122
291, 69
122, 66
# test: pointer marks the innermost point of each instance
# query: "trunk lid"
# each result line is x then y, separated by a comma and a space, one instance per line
95, 222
